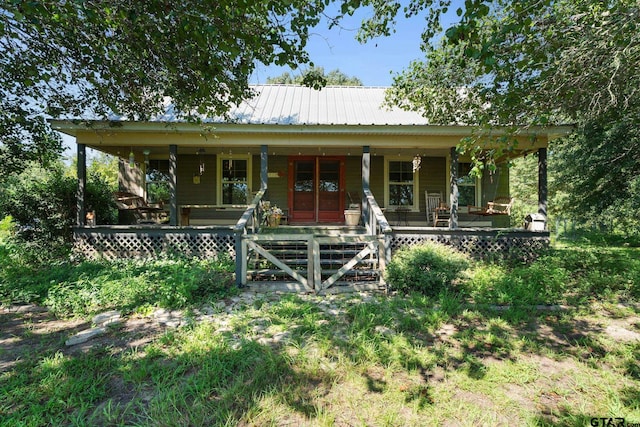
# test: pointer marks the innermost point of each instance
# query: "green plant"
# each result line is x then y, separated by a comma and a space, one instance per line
427, 268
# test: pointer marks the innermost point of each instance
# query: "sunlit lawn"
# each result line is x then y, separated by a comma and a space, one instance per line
353, 359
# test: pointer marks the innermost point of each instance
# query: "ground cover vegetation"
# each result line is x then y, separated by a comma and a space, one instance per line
472, 349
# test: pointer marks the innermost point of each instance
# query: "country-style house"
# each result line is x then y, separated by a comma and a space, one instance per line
354, 180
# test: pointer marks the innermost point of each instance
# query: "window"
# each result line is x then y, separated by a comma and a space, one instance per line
467, 186
158, 181
234, 176
401, 184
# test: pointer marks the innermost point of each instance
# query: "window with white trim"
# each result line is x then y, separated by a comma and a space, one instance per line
158, 181
234, 178
401, 183
467, 186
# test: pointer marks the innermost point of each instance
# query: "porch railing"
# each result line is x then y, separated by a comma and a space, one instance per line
252, 214
377, 225
373, 217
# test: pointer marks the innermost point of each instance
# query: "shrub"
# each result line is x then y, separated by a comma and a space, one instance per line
428, 268
42, 204
174, 282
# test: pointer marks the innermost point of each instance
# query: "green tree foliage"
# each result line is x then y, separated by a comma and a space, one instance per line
126, 57
597, 176
42, 204
317, 74
522, 62
533, 63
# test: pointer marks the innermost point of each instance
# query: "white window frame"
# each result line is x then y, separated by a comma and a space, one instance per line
416, 182
219, 181
462, 209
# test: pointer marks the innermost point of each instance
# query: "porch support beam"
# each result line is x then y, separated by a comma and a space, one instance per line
366, 171
264, 169
81, 196
453, 182
542, 182
173, 185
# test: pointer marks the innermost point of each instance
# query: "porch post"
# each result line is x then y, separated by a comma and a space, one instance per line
264, 170
453, 178
366, 170
542, 182
173, 184
81, 209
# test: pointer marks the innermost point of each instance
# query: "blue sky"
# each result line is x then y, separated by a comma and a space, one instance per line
375, 62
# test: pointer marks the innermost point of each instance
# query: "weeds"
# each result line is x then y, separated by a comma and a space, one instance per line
448, 357
88, 287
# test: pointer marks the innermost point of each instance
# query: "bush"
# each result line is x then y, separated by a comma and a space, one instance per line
42, 204
128, 285
428, 268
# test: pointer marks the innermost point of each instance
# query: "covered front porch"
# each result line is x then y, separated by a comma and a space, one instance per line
319, 257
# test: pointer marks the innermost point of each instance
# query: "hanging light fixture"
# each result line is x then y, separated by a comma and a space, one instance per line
132, 159
200, 161
146, 157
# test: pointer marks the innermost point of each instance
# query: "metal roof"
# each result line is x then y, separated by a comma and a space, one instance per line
332, 105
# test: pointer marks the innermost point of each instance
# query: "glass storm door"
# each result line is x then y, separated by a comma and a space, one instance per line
316, 189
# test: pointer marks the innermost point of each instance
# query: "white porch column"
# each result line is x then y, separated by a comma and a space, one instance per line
264, 167
366, 171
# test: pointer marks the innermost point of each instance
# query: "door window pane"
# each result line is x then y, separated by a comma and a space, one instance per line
330, 176
304, 176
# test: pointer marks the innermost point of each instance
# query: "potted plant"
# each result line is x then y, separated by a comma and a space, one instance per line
273, 215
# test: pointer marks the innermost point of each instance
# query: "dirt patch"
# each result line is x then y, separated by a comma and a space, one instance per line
624, 330
29, 330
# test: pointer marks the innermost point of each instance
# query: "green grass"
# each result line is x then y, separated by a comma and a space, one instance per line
450, 358
88, 287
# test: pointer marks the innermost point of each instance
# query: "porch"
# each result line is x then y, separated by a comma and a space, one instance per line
318, 257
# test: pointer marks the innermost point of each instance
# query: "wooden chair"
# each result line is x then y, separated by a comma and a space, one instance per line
499, 206
441, 216
432, 201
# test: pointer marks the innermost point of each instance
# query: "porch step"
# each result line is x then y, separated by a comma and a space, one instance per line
325, 272
331, 259
294, 287
316, 230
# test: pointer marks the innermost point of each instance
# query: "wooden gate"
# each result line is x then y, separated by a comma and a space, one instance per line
313, 263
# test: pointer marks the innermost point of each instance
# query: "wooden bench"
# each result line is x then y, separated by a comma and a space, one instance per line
499, 206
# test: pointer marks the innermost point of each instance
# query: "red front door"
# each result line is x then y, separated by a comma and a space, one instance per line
316, 189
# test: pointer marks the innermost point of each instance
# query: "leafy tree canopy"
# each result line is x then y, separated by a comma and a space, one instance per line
318, 76
537, 62
126, 57
521, 63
